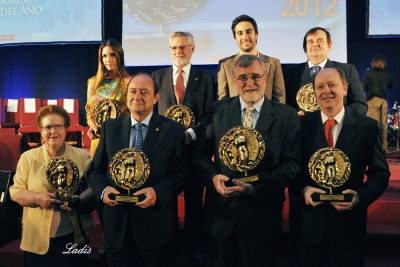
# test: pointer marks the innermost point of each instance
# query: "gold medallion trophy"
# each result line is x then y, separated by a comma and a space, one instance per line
182, 114
242, 149
105, 109
129, 169
63, 175
306, 99
330, 168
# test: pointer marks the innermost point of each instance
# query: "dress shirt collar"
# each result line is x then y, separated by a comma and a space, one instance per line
322, 64
146, 121
257, 106
338, 118
185, 69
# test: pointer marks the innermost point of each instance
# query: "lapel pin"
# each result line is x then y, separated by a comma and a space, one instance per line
196, 79
157, 129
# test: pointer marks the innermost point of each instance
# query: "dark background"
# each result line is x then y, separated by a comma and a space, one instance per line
61, 71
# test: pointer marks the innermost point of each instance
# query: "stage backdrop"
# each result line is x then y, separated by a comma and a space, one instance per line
61, 71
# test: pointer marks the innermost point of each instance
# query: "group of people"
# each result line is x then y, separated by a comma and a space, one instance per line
240, 221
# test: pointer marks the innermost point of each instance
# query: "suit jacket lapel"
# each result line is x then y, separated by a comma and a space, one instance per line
125, 132
305, 75
234, 112
316, 130
348, 132
266, 117
192, 84
153, 133
168, 85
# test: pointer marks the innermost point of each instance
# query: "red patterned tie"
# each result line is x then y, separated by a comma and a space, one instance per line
179, 87
328, 131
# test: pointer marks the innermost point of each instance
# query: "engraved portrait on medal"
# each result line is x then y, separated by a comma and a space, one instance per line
241, 149
306, 99
182, 114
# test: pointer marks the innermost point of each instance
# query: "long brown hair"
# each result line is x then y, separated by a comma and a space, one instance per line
102, 70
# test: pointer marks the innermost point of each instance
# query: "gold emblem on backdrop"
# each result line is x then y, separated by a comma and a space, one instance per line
130, 168
182, 114
241, 149
105, 109
329, 168
306, 98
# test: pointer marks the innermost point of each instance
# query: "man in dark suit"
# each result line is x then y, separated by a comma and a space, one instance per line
316, 44
245, 32
141, 234
199, 92
334, 233
244, 220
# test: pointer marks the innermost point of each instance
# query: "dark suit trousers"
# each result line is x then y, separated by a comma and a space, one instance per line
331, 253
242, 250
131, 255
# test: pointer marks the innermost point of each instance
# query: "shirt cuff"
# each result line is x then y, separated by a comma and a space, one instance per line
192, 134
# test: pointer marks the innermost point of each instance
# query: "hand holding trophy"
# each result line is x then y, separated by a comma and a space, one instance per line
63, 175
129, 169
330, 168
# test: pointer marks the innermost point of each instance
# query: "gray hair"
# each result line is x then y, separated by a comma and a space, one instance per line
188, 35
245, 61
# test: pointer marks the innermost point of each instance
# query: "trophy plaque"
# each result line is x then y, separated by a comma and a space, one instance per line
330, 168
105, 109
182, 114
242, 149
63, 175
306, 99
129, 169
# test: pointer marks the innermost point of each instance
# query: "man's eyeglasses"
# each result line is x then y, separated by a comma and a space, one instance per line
56, 127
181, 47
255, 77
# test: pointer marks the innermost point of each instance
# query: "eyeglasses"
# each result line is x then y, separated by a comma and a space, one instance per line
56, 127
255, 77
181, 47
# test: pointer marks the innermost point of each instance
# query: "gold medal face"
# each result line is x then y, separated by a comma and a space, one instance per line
306, 99
130, 168
329, 167
241, 148
104, 110
182, 114
62, 174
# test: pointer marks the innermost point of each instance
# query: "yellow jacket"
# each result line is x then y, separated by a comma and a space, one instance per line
36, 222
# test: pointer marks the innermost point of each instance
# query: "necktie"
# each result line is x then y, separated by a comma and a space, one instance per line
248, 117
139, 137
314, 70
179, 87
328, 131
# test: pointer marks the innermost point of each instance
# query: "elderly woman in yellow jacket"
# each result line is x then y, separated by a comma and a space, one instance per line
49, 233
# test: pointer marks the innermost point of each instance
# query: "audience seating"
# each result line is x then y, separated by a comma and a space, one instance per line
10, 114
76, 131
28, 110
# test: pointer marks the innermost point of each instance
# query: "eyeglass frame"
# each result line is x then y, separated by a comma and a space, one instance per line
56, 127
255, 80
181, 47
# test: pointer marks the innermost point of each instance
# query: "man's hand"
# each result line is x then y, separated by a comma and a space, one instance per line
219, 184
150, 199
308, 191
107, 191
243, 188
93, 131
346, 206
300, 113
188, 138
